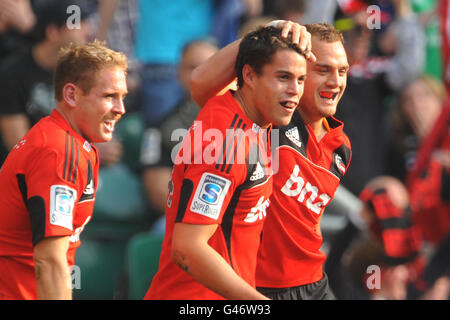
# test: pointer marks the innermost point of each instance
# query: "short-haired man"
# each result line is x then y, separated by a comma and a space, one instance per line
49, 180
216, 209
314, 153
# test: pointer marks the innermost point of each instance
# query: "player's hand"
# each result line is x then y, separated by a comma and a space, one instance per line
299, 33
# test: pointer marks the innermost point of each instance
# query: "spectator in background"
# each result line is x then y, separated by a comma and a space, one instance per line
26, 78
372, 80
428, 183
116, 24
158, 144
17, 20
320, 10
229, 16
163, 29
412, 118
291, 10
428, 11
382, 235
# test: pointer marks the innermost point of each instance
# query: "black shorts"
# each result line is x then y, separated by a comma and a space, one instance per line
319, 290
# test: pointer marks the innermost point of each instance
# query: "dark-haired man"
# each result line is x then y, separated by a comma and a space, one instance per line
216, 206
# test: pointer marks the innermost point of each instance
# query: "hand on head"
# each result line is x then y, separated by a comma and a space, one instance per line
299, 34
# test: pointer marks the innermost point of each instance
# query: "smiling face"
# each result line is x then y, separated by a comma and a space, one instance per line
326, 81
98, 110
278, 88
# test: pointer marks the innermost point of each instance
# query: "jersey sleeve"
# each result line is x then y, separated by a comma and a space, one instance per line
212, 171
51, 199
210, 195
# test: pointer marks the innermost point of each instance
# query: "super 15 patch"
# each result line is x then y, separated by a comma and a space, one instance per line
209, 195
62, 202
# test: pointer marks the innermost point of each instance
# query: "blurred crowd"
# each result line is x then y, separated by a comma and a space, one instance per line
395, 111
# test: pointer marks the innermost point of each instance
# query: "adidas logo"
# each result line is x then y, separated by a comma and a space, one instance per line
89, 188
258, 173
293, 135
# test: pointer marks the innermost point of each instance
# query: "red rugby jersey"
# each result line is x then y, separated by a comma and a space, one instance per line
230, 189
47, 187
308, 176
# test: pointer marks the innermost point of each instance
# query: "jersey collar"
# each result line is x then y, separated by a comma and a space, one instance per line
254, 127
332, 124
59, 119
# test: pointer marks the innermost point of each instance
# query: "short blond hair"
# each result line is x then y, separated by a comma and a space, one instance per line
79, 64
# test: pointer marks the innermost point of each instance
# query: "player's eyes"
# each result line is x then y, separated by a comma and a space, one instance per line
301, 79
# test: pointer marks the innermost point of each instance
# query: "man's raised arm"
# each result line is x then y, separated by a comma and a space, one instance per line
209, 78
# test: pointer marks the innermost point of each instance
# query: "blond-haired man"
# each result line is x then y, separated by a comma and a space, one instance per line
49, 180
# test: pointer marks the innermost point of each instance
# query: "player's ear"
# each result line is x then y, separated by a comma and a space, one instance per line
248, 75
69, 94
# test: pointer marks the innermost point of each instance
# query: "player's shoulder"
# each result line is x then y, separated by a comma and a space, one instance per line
341, 155
337, 131
346, 141
51, 133
222, 112
46, 136
50, 146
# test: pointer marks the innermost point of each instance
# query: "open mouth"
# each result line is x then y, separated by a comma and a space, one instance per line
328, 96
109, 124
289, 105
